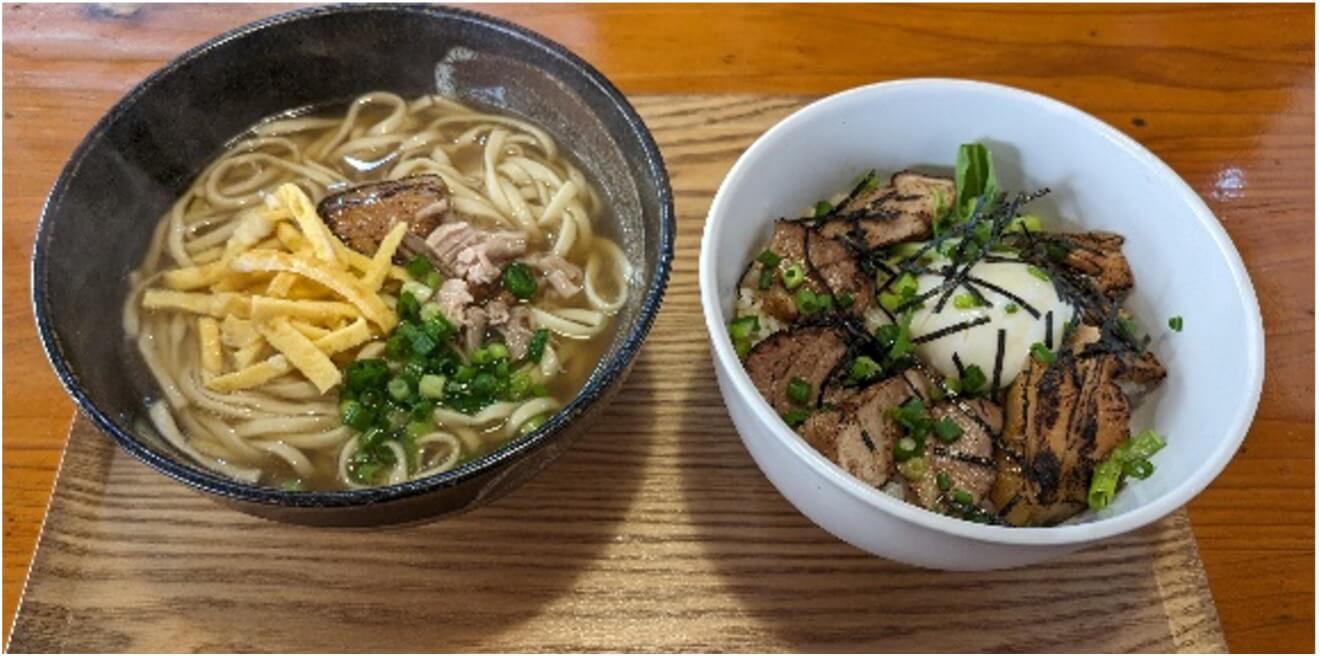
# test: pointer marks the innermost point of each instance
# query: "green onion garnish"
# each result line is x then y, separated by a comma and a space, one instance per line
1139, 469
913, 468
399, 389
1104, 483
1176, 324
799, 391
432, 386
1011, 308
965, 301
768, 259
863, 369
793, 276
1036, 272
419, 267
962, 496
972, 379
947, 430
905, 448
520, 281
943, 481
794, 418
823, 208
1042, 354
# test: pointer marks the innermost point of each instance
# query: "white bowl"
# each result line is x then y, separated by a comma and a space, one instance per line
1183, 261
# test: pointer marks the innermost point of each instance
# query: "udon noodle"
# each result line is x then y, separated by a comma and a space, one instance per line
502, 175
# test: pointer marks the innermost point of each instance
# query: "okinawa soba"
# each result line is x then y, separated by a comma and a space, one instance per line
369, 296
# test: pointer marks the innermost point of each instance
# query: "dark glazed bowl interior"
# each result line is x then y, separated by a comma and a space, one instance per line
144, 152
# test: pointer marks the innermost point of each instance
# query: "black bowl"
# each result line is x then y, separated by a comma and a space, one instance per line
143, 153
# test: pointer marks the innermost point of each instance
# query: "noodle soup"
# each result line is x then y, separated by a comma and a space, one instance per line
373, 295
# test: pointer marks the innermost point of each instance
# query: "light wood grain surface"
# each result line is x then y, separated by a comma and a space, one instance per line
675, 543
1224, 94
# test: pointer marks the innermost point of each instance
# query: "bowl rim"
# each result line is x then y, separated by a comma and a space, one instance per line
1098, 529
606, 376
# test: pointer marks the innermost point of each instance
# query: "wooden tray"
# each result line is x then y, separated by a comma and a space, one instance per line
654, 533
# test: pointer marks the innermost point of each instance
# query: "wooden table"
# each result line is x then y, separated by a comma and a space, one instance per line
1223, 94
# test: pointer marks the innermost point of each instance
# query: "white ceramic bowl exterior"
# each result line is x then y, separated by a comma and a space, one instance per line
1183, 261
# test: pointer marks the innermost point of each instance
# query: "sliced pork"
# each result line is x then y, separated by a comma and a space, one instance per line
478, 256
810, 353
859, 434
968, 461
361, 216
454, 297
902, 211
1061, 420
829, 268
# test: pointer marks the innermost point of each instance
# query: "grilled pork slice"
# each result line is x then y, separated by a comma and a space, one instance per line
361, 216
829, 266
1061, 420
859, 434
901, 211
810, 353
1098, 257
968, 461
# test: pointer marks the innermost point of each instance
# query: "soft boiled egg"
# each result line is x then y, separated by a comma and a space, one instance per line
968, 333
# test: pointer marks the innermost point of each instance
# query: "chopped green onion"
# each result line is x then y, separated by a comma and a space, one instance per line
794, 418
913, 468
768, 259
1027, 222
906, 285
536, 347
889, 301
793, 276
430, 311
863, 369
1138, 469
823, 208
1176, 324
291, 485
1011, 308
416, 429
943, 482
767, 279
947, 430
972, 379
1141, 446
905, 448
809, 303
1104, 483
962, 496
399, 389
846, 300
519, 387
965, 301
433, 280
1128, 328
361, 375
520, 281
418, 291
744, 327
799, 390
432, 386
953, 385
497, 351
418, 267
1036, 272
354, 415
1042, 354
